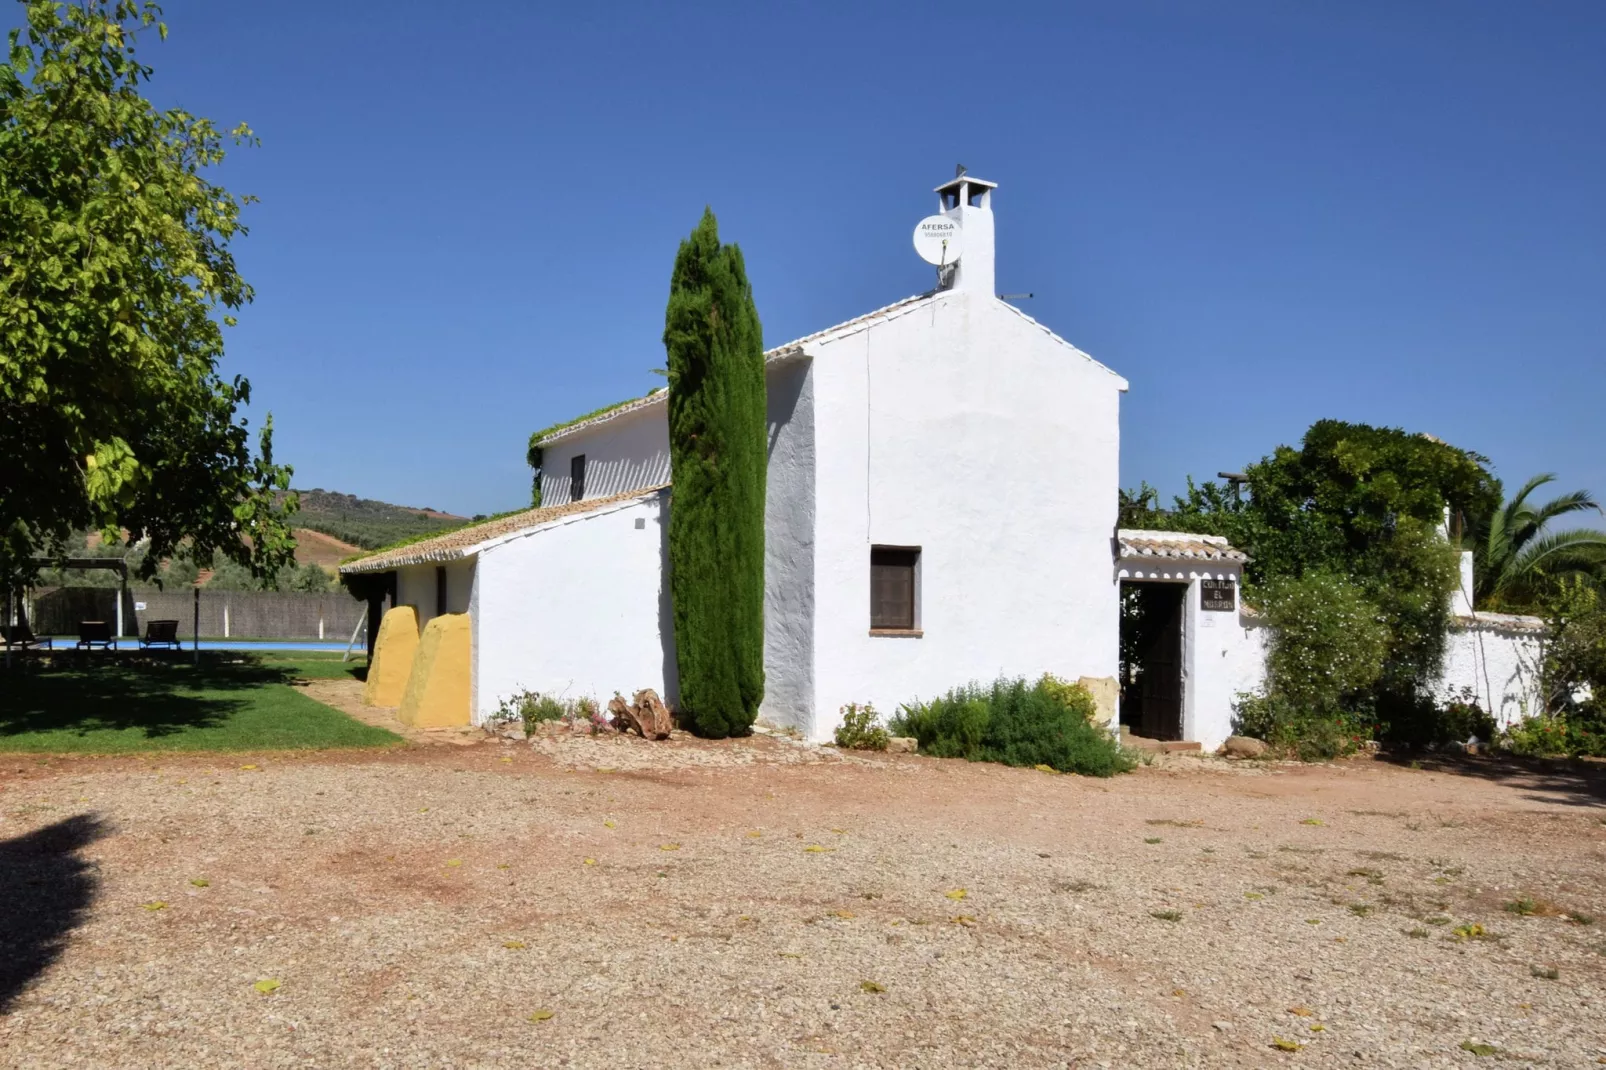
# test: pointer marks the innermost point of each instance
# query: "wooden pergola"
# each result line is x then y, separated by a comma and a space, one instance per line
116, 564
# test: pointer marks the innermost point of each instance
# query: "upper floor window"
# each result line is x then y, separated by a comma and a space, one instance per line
577, 477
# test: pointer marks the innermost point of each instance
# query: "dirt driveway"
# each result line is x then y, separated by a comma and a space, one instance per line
756, 903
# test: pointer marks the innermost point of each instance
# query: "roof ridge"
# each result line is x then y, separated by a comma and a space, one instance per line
771, 355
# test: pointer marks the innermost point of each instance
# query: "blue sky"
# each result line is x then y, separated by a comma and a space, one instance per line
1261, 214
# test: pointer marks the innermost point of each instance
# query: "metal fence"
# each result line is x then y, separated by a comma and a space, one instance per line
224, 614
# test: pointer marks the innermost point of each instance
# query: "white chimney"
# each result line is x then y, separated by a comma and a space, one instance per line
969, 201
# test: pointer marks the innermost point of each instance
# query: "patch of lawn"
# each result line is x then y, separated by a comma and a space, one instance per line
230, 701
311, 664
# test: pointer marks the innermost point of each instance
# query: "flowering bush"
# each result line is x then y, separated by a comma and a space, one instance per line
1554, 735
861, 728
1328, 641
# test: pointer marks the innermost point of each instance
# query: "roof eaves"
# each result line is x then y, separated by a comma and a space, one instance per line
1124, 385
460, 543
612, 506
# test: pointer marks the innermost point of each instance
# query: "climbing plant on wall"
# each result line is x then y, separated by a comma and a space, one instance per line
717, 464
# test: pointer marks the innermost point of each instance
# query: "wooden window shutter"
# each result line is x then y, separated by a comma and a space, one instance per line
892, 587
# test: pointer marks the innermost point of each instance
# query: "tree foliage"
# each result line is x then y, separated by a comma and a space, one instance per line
717, 464
1364, 505
115, 281
1517, 559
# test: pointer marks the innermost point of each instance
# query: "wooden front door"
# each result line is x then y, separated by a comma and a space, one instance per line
1162, 660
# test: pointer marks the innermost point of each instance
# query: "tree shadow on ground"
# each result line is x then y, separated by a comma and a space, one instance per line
46, 888
1569, 781
158, 696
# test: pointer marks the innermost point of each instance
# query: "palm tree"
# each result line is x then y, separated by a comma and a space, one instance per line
1514, 556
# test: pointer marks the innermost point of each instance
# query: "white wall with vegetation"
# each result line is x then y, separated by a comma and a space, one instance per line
576, 607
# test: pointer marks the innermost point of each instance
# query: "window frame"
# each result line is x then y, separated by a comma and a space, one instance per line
577, 477
879, 625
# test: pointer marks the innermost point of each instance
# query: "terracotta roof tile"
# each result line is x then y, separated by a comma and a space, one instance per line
1137, 542
460, 542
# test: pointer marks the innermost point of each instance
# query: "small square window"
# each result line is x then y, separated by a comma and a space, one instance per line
893, 572
577, 477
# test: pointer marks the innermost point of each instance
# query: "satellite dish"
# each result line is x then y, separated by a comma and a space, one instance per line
938, 240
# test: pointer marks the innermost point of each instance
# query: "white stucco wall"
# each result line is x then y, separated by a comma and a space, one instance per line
415, 586
964, 429
1499, 665
624, 453
1496, 662
789, 547
576, 607
1222, 653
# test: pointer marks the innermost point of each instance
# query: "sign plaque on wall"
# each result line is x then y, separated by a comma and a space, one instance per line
1218, 596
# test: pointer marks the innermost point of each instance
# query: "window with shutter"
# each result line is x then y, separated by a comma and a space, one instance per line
892, 587
577, 478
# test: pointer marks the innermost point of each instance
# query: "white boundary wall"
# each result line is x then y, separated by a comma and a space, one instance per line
576, 607
1496, 658
1498, 662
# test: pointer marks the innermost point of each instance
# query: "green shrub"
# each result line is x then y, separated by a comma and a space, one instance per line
1573, 672
1297, 731
1553, 735
1016, 723
861, 728
531, 708
1426, 721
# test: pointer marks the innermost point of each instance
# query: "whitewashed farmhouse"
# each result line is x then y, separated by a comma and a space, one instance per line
942, 499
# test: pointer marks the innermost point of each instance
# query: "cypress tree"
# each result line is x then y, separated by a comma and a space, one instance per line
717, 462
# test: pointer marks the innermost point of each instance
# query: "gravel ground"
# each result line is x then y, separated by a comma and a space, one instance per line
757, 903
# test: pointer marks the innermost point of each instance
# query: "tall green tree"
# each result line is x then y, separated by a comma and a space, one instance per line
116, 282
1515, 557
717, 463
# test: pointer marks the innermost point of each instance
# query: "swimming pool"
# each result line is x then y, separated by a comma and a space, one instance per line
274, 644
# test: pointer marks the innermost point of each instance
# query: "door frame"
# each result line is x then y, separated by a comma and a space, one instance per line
1183, 588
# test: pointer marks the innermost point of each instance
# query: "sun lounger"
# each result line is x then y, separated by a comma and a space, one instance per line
163, 633
93, 633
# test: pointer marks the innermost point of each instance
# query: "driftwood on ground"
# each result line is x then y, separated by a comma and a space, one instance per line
647, 714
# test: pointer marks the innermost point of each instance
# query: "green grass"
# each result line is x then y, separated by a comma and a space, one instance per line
229, 702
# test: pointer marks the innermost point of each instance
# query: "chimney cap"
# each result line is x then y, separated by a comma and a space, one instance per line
964, 180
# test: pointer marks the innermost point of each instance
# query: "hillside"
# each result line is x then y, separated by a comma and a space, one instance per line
366, 523
318, 548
